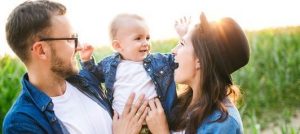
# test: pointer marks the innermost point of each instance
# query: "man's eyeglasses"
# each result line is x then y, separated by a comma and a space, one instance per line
74, 38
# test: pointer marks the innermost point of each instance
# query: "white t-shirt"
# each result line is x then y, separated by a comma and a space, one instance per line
80, 114
131, 77
179, 132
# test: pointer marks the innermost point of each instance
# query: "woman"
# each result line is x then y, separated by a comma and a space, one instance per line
206, 57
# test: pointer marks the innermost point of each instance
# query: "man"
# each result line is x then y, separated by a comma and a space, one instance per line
54, 98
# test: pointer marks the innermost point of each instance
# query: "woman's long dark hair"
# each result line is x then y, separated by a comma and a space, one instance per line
212, 44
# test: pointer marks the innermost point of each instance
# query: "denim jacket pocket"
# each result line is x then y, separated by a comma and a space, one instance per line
164, 76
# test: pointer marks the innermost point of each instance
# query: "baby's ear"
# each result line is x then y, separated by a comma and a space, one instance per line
116, 45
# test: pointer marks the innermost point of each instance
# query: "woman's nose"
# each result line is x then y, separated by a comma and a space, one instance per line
174, 50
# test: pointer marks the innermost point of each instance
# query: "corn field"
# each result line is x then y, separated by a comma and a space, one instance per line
270, 83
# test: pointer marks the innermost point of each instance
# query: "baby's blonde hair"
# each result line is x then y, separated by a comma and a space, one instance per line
120, 19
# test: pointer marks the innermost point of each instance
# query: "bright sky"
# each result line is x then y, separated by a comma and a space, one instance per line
91, 18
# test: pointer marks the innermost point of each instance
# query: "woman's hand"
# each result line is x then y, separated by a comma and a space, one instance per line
182, 26
130, 122
156, 118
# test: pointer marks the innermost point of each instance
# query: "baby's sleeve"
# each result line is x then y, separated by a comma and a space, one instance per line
96, 70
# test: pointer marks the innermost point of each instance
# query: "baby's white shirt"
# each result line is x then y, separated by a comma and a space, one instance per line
131, 77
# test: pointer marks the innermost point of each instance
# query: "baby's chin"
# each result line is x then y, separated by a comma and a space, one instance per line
144, 55
139, 57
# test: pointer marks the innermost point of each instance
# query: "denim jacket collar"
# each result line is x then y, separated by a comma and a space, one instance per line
147, 59
117, 59
217, 113
39, 98
233, 121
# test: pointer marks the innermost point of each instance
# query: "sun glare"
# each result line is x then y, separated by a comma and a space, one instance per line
91, 18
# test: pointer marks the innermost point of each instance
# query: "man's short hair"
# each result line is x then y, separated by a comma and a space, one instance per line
28, 20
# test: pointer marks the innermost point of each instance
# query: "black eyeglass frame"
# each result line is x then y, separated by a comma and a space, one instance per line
52, 39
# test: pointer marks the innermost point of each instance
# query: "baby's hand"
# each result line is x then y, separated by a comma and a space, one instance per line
182, 26
86, 52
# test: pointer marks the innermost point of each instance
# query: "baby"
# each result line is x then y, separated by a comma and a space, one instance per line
133, 68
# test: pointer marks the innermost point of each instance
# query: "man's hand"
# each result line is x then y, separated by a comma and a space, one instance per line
86, 52
182, 26
130, 122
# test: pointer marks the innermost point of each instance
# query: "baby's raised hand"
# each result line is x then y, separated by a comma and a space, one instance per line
86, 52
182, 25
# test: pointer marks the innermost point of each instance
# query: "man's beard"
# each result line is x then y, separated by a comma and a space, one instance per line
61, 68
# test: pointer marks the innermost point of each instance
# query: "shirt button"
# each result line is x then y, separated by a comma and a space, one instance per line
50, 106
145, 64
149, 70
53, 119
161, 72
